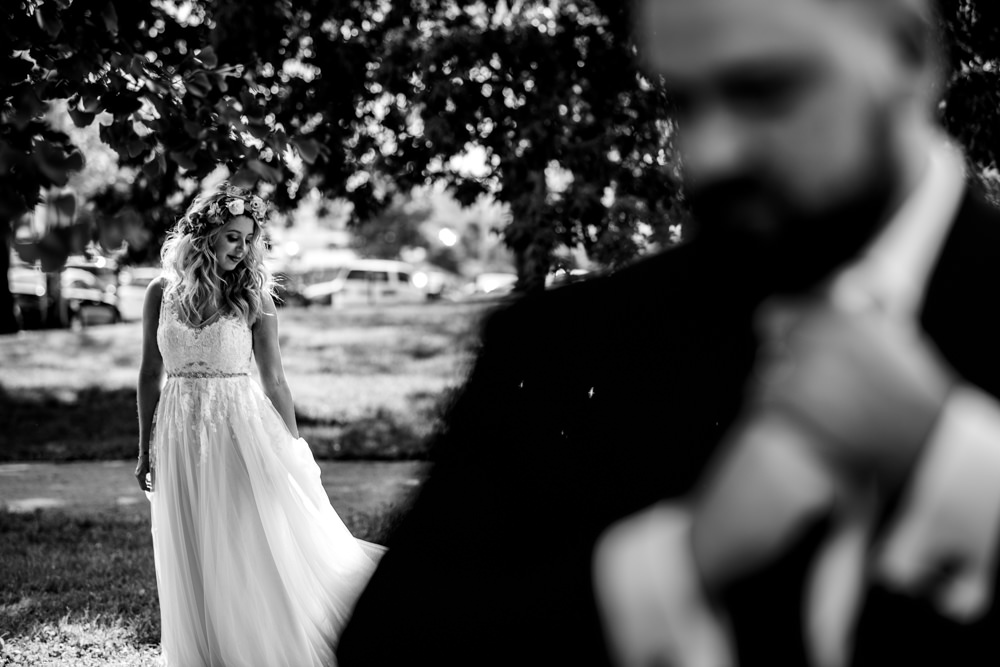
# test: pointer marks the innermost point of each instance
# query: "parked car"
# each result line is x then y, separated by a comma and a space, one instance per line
491, 284
564, 277
27, 286
132, 284
88, 299
103, 270
364, 281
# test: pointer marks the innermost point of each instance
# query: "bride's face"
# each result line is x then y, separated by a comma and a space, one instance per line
233, 243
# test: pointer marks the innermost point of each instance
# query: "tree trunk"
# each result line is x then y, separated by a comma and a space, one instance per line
532, 262
8, 322
56, 311
529, 237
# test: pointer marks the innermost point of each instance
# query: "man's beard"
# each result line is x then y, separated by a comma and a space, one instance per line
774, 247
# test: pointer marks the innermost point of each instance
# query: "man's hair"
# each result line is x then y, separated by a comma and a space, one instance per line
917, 27
915, 22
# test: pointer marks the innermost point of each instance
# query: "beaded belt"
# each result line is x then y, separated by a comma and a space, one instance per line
204, 375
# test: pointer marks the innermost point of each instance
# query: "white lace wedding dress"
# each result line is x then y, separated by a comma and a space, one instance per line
253, 565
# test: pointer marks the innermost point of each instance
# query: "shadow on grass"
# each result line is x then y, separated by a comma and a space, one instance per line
97, 424
82, 590
60, 569
90, 424
383, 435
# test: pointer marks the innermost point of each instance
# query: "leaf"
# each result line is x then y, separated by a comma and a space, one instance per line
27, 106
151, 125
53, 250
91, 104
14, 70
63, 206
198, 85
308, 149
265, 171
251, 109
110, 17
155, 166
48, 21
121, 102
244, 178
183, 160
27, 251
258, 130
9, 158
55, 164
194, 130
137, 67
208, 58
151, 168
80, 118
279, 141
136, 147
75, 160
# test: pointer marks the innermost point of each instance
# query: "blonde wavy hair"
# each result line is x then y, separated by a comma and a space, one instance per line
189, 262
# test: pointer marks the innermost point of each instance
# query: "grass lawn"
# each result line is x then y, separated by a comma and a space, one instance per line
368, 383
77, 590
77, 583
81, 590
78, 586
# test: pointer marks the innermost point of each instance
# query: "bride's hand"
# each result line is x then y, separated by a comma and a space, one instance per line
142, 471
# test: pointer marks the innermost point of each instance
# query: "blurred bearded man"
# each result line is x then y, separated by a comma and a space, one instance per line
743, 450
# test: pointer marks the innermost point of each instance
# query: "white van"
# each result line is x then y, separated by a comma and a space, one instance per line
366, 281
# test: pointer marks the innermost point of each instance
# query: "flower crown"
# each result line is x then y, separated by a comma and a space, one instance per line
233, 203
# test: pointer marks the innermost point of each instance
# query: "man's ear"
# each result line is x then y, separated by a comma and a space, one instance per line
917, 37
915, 30
911, 24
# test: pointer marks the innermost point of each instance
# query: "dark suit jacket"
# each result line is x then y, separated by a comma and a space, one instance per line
593, 401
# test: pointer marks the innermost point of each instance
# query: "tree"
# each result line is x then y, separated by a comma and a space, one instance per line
971, 107
385, 234
132, 60
542, 87
183, 88
364, 99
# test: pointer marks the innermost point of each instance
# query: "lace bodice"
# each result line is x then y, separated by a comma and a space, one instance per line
221, 348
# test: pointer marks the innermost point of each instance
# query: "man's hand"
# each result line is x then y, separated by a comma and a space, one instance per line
648, 593
142, 471
842, 404
869, 386
943, 542
767, 487
841, 401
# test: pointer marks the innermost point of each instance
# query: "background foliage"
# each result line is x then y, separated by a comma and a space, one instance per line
364, 99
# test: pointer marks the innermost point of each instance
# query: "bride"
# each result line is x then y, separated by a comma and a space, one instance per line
253, 565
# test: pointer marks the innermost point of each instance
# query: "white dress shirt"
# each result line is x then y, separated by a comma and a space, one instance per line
644, 571
951, 507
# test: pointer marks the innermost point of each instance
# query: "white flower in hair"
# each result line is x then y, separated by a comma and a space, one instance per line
235, 206
257, 206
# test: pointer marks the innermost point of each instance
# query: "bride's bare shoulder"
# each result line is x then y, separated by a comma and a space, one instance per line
268, 310
154, 295
157, 285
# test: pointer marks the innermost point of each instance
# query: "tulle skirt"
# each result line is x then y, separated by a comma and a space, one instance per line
253, 565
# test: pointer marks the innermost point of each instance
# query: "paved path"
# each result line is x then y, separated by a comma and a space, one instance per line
93, 486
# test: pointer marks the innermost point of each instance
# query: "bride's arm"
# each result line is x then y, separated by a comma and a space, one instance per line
268, 355
150, 376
